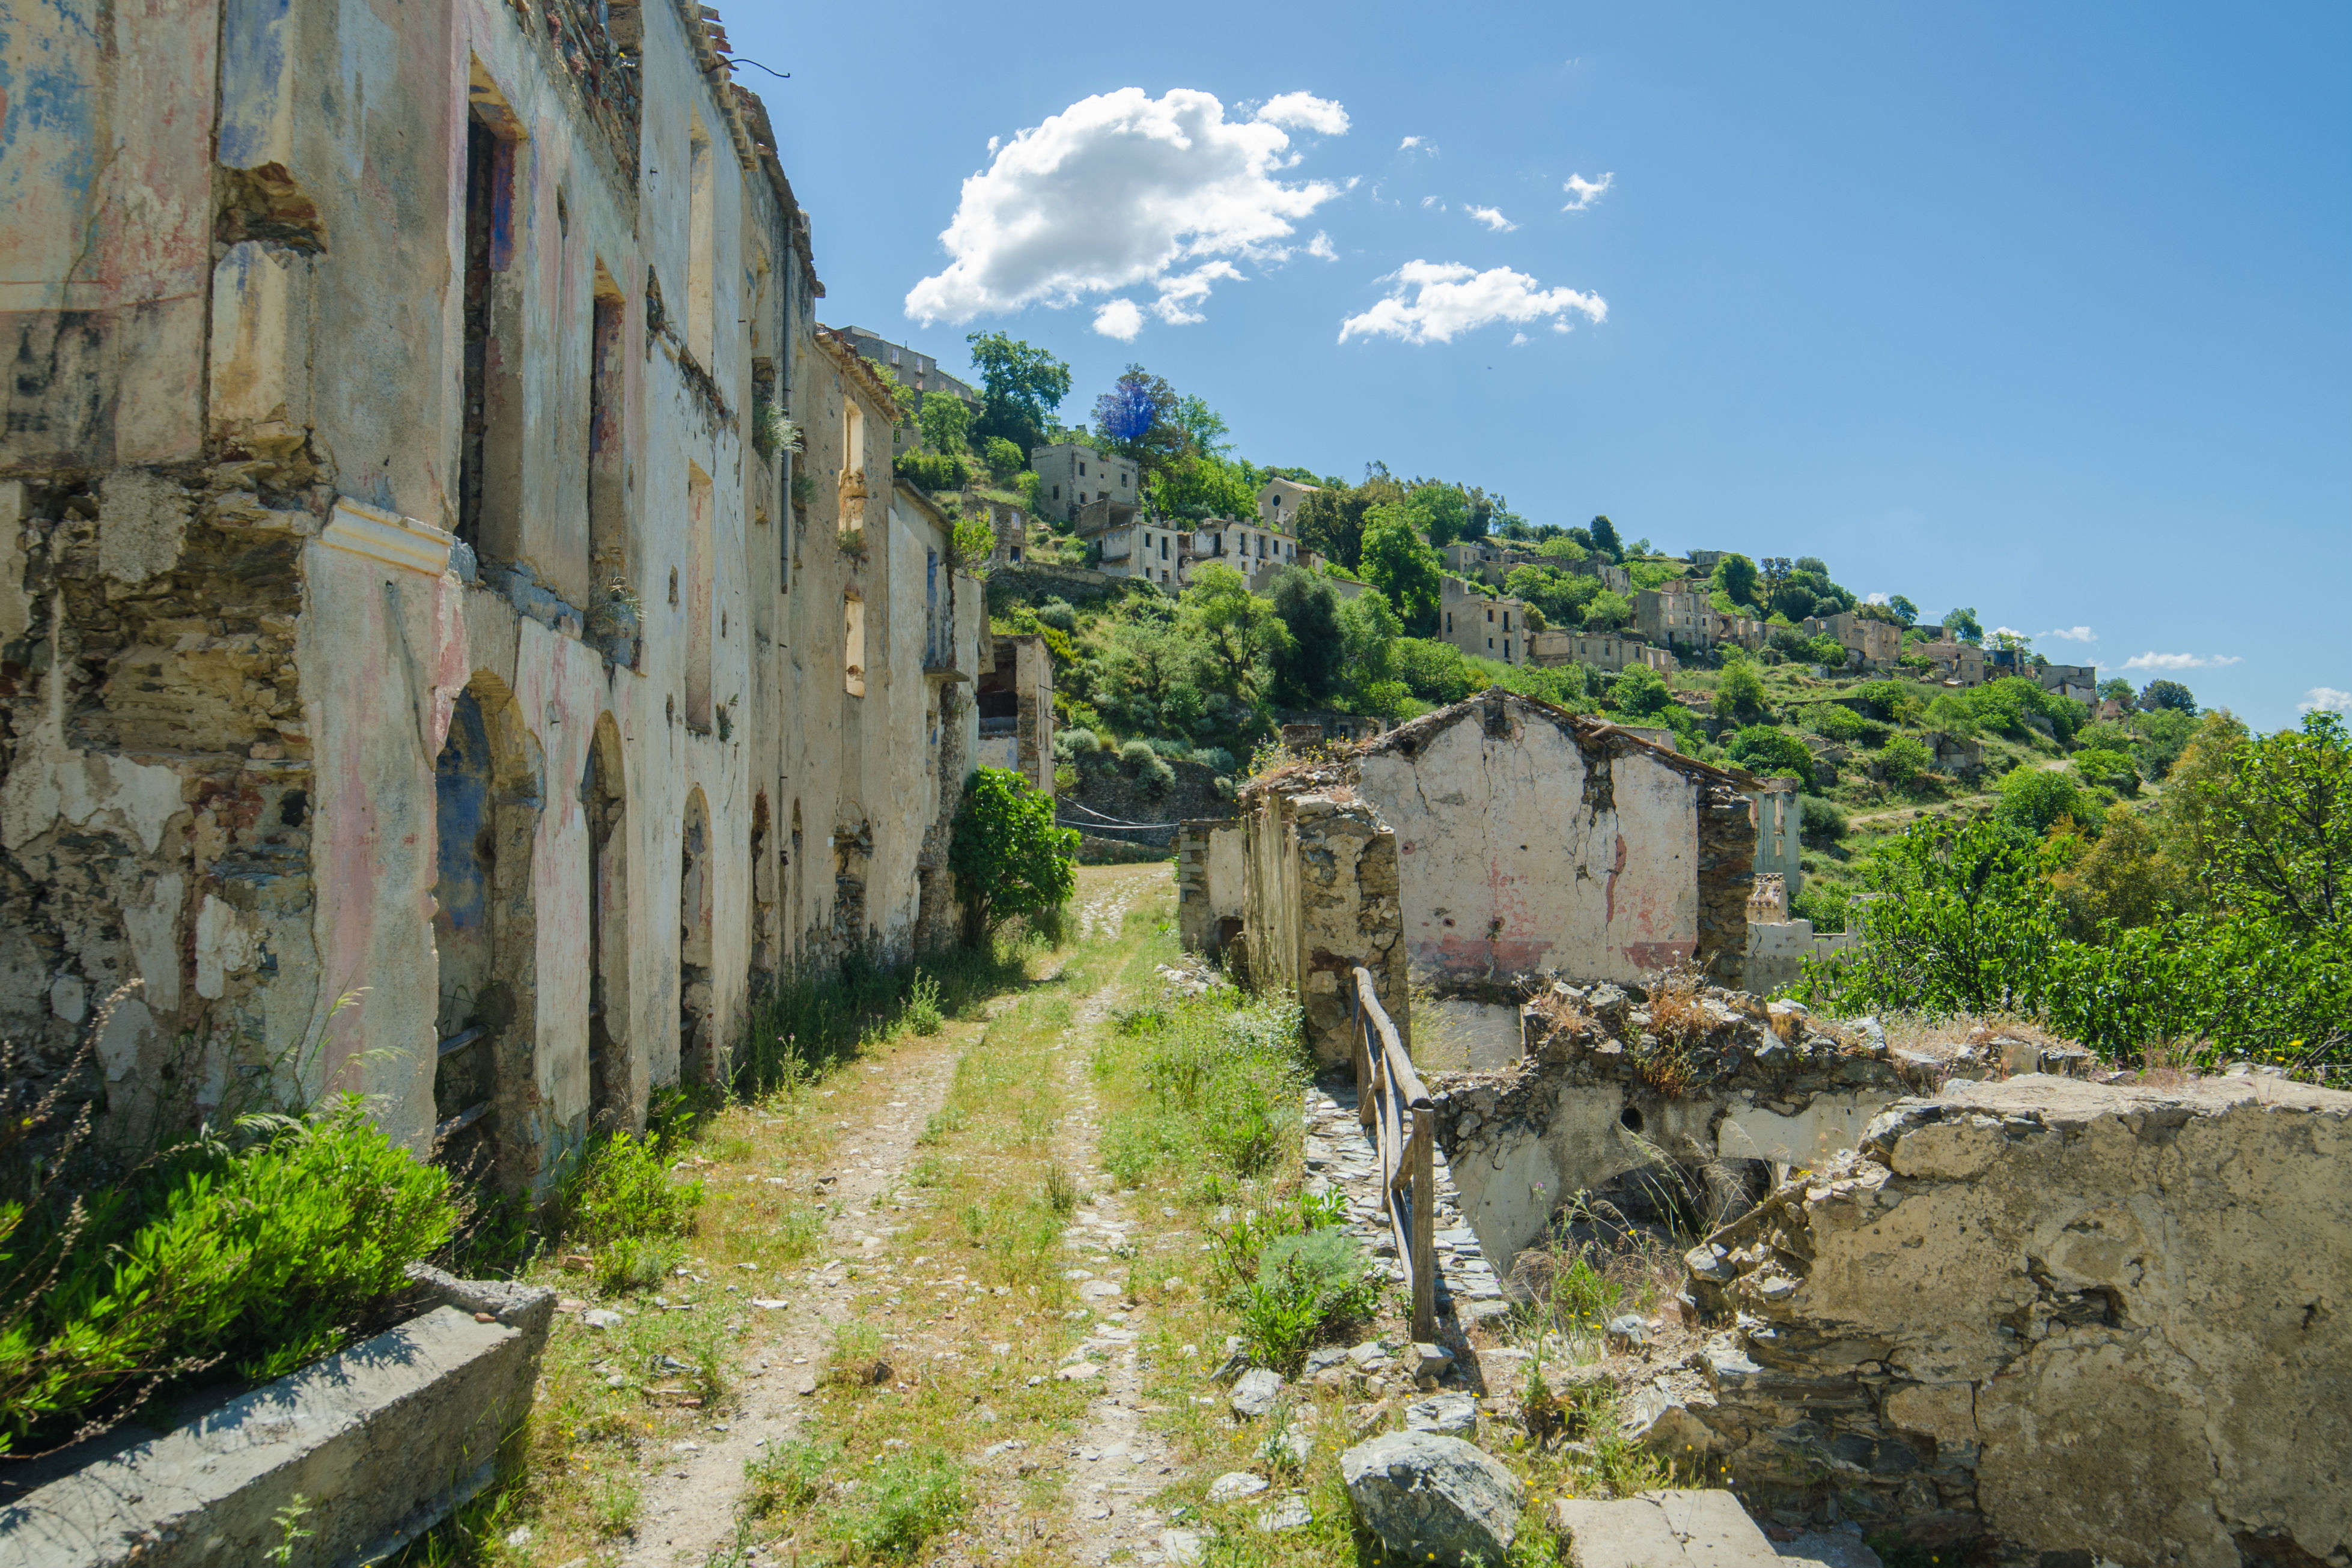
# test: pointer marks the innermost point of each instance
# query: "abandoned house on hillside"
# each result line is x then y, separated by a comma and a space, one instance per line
413, 590
1492, 838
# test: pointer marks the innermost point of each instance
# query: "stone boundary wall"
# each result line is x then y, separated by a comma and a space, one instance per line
1321, 899
1208, 881
2100, 1320
381, 1441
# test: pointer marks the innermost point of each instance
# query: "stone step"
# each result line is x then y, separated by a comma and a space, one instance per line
1687, 1529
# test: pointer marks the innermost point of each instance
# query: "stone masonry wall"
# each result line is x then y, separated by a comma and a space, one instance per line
1322, 900
2104, 1320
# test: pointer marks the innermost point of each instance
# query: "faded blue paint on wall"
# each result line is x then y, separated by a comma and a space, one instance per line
252, 78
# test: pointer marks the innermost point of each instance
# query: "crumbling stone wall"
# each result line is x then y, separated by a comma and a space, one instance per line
1599, 1092
1208, 883
1321, 900
2106, 1319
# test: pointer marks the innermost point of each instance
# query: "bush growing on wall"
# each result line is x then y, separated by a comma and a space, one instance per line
258, 1258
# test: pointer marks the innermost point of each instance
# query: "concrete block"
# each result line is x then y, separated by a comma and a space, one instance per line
381, 1442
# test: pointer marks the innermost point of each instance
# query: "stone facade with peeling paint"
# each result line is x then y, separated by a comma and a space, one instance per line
421, 674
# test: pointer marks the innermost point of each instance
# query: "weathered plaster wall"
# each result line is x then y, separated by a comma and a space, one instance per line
1211, 880
1527, 843
2079, 1318
106, 178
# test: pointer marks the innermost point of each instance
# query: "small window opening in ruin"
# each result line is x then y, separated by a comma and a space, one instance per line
853, 467
489, 470
608, 923
673, 587
1629, 1118
701, 250
853, 644
698, 597
608, 533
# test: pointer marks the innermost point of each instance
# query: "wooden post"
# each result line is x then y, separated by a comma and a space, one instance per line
1424, 1224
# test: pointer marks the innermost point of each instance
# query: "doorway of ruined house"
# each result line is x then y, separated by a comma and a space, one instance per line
602, 794
795, 912
853, 847
767, 946
486, 819
697, 1054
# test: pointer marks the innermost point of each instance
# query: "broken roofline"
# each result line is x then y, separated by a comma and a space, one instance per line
1586, 730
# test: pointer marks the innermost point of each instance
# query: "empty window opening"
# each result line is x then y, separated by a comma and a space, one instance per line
698, 597
852, 644
767, 933
852, 468
702, 247
489, 470
608, 534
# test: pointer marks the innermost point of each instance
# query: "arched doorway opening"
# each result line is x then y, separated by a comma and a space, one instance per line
697, 1054
602, 794
767, 939
487, 801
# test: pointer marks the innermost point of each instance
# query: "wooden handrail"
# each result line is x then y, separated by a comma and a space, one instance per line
1389, 1100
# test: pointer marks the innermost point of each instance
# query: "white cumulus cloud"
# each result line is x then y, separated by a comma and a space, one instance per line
1413, 144
1433, 301
1305, 111
2073, 634
1179, 294
1123, 189
2325, 699
1493, 218
1586, 192
1875, 599
2180, 661
1120, 318
1518, 338
1321, 247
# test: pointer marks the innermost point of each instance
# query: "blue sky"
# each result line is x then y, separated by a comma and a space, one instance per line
2041, 310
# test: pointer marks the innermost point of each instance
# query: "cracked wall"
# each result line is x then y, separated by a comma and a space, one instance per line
2103, 1320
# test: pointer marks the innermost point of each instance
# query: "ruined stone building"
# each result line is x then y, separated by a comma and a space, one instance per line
413, 591
1485, 628
1498, 837
1070, 475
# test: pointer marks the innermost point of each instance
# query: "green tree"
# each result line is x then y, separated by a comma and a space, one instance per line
1138, 419
2034, 799
2277, 810
1903, 609
1740, 694
1964, 923
1368, 636
1736, 575
1331, 522
2116, 689
1193, 486
1604, 537
2124, 877
1239, 631
1203, 428
945, 421
1561, 595
1020, 389
1004, 459
1006, 856
1309, 669
2111, 769
1767, 750
1607, 611
1962, 625
1440, 511
2168, 694
1639, 692
1404, 568
1903, 760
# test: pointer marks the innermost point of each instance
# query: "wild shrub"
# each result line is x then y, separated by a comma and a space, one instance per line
1059, 614
624, 1189
1307, 1284
922, 1011
260, 1258
903, 1500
